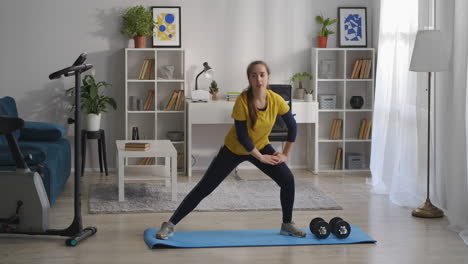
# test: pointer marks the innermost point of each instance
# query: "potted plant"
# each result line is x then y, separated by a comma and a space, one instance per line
300, 91
93, 103
137, 23
214, 90
324, 32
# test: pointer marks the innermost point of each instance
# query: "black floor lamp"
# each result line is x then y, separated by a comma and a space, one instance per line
430, 54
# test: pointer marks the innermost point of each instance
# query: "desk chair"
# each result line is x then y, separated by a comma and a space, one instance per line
279, 132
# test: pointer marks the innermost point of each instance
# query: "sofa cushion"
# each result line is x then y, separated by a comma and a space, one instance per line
41, 131
8, 108
38, 153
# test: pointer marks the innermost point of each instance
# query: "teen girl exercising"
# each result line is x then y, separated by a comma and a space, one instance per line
254, 115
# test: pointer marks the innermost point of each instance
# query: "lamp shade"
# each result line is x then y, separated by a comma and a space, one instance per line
430, 53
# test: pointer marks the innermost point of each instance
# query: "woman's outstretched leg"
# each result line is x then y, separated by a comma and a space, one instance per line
224, 162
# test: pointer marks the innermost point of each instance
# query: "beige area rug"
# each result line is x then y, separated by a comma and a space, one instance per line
245, 195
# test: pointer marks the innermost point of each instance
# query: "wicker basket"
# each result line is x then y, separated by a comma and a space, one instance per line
327, 101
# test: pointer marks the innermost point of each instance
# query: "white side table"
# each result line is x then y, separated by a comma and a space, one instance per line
158, 149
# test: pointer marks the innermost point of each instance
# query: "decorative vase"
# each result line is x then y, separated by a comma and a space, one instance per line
93, 122
308, 97
140, 41
214, 96
300, 93
356, 102
322, 42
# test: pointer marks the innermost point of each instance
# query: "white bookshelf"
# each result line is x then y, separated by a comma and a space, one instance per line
335, 78
157, 121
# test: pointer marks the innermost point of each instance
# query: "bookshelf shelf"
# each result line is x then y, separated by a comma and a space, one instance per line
170, 81
170, 112
141, 112
343, 73
140, 81
148, 92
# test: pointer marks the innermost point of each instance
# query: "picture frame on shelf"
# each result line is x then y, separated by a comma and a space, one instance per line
352, 27
167, 28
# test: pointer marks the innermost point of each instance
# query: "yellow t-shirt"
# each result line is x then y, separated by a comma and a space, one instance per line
276, 105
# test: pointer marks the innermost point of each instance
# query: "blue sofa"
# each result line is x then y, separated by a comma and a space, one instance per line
45, 142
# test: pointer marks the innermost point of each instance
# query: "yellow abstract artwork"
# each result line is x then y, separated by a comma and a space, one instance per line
166, 26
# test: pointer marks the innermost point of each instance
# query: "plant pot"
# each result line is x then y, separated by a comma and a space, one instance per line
308, 98
300, 93
322, 42
356, 102
140, 41
214, 96
93, 122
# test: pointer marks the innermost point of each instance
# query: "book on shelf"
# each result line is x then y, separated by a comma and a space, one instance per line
368, 129
339, 153
149, 101
335, 131
361, 69
180, 100
147, 70
364, 129
172, 100
146, 161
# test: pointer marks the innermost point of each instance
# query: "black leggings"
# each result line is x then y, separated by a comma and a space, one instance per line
221, 167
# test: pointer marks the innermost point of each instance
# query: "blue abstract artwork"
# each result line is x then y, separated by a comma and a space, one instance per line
353, 27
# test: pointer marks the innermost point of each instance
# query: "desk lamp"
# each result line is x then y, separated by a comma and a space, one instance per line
202, 95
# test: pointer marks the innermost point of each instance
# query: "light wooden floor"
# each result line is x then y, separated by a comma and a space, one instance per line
401, 238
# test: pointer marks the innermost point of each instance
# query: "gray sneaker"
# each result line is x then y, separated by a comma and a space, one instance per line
166, 231
290, 229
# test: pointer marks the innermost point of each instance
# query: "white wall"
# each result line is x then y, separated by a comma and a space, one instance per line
39, 37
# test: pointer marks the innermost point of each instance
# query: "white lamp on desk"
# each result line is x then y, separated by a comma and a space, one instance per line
202, 95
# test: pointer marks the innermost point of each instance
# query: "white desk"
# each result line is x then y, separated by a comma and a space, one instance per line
219, 112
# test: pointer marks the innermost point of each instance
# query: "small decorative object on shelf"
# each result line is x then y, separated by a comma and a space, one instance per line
299, 77
167, 72
214, 89
327, 101
137, 23
324, 31
356, 102
135, 135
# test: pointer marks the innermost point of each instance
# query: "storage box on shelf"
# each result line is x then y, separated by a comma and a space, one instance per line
155, 98
344, 88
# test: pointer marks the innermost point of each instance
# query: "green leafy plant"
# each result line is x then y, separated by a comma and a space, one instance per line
325, 32
92, 101
213, 87
299, 77
137, 21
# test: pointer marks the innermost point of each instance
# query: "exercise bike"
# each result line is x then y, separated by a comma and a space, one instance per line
24, 205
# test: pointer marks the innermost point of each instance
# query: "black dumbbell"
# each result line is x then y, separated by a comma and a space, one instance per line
340, 228
319, 228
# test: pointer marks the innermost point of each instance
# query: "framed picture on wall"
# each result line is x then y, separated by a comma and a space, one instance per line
167, 31
352, 27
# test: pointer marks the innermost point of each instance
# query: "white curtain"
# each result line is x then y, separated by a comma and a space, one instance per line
452, 113
399, 135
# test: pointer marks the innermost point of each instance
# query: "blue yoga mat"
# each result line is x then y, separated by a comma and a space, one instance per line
247, 238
